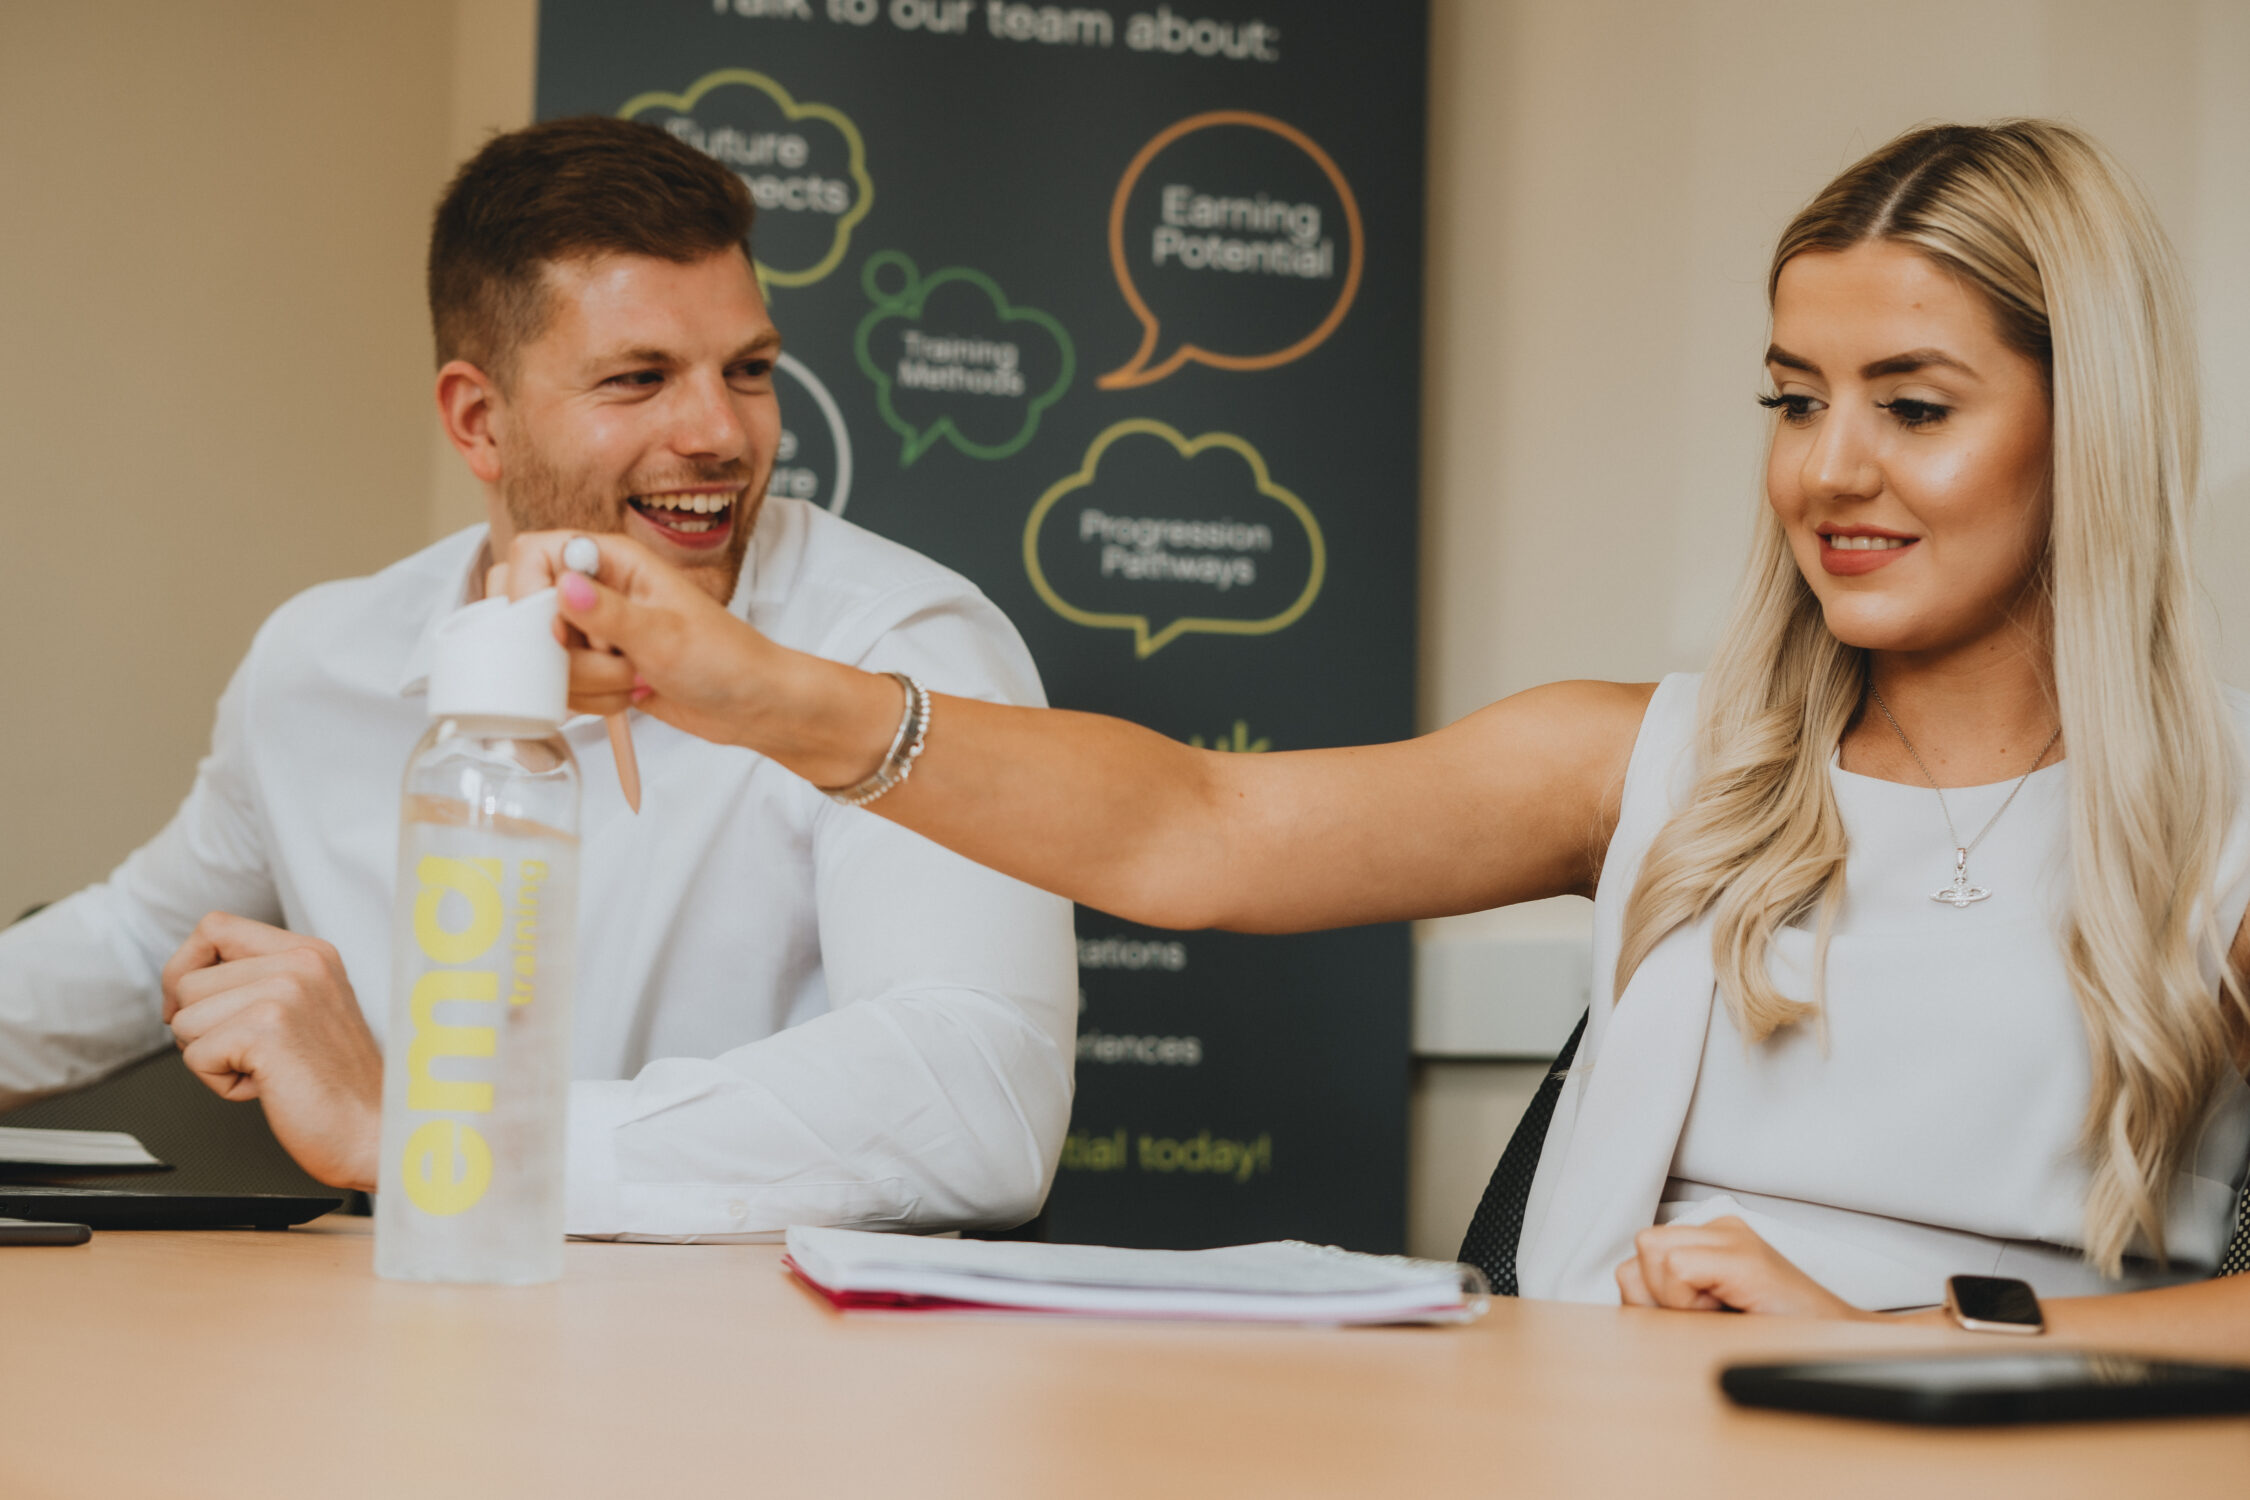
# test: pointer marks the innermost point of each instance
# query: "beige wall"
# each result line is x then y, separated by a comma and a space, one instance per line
216, 384
215, 389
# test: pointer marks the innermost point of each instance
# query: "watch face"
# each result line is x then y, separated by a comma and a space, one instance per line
1993, 1301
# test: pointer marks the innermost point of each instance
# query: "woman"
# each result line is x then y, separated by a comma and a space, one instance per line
1924, 908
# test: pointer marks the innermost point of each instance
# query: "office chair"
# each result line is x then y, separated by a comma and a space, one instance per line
1498, 1225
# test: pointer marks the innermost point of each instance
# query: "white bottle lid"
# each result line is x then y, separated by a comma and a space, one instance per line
501, 659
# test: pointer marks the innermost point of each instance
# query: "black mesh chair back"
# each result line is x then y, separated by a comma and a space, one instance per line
1498, 1225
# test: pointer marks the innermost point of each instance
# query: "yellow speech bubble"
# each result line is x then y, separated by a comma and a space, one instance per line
1147, 643
1137, 371
856, 159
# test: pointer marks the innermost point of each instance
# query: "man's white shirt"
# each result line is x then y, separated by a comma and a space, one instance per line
787, 1011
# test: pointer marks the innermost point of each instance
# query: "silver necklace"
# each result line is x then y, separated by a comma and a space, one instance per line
1960, 893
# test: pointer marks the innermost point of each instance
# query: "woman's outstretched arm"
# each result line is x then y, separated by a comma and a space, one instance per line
1510, 804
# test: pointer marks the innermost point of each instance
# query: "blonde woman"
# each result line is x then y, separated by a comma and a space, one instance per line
1923, 909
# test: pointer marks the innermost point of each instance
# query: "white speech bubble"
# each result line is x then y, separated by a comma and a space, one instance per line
840, 483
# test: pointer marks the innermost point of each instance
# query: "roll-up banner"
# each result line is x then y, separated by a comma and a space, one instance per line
1116, 310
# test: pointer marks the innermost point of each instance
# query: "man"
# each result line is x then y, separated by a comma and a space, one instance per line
788, 1011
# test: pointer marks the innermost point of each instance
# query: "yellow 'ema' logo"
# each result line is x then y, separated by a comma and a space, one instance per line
447, 1165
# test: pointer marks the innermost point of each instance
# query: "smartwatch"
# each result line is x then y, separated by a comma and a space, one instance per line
1993, 1304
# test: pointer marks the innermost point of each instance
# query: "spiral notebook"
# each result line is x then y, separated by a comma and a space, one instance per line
1283, 1281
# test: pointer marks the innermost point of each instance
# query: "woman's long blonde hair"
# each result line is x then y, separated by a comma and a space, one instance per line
2081, 279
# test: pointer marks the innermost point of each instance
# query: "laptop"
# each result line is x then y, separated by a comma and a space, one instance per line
128, 1208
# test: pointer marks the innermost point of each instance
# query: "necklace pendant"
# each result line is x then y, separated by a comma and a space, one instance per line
1961, 894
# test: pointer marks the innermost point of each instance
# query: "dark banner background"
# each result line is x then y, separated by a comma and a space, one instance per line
1225, 545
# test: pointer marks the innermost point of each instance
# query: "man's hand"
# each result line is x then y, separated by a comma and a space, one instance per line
1722, 1266
260, 1013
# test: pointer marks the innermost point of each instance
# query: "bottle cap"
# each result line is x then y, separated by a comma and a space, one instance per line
501, 659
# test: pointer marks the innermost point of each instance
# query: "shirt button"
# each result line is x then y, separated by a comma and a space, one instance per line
737, 1210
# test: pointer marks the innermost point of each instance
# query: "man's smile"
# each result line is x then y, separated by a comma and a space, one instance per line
697, 519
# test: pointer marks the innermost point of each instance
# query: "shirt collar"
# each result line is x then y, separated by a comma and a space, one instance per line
415, 681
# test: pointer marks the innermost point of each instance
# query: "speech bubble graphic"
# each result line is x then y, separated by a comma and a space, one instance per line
807, 453
1274, 258
950, 363
1238, 743
742, 120
1199, 554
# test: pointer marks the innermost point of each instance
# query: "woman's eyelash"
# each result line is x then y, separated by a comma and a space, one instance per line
1908, 413
1914, 413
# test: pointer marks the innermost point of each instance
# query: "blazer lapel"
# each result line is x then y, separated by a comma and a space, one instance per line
1610, 1147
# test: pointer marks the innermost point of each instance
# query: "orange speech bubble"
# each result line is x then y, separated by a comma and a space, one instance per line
1138, 371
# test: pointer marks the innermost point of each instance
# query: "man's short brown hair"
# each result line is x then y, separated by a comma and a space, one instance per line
565, 189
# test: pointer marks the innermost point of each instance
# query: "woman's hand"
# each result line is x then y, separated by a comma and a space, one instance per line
644, 636
1722, 1266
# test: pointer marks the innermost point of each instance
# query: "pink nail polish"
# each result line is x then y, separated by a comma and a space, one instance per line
576, 592
643, 691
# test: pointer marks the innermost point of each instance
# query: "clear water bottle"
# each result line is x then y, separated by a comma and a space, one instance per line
476, 1071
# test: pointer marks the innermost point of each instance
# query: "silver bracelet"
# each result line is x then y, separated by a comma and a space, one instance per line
906, 748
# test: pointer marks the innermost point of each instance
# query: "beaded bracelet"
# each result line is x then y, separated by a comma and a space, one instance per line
906, 747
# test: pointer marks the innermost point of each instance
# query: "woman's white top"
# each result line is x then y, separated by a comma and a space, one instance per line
1927, 1126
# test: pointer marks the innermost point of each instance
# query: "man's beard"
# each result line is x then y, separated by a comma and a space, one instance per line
538, 496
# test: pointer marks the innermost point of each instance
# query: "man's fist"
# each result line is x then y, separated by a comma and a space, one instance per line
261, 1013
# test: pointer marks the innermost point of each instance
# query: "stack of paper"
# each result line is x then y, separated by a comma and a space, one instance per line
1281, 1282
101, 1150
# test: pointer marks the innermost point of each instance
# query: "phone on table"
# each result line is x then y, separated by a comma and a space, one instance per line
2059, 1385
35, 1232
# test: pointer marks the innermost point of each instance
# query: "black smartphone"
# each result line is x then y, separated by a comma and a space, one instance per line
34, 1232
2060, 1385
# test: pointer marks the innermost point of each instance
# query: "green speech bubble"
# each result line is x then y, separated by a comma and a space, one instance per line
1147, 642
908, 300
856, 161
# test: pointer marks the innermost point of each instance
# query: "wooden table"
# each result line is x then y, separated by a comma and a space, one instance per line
246, 1365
